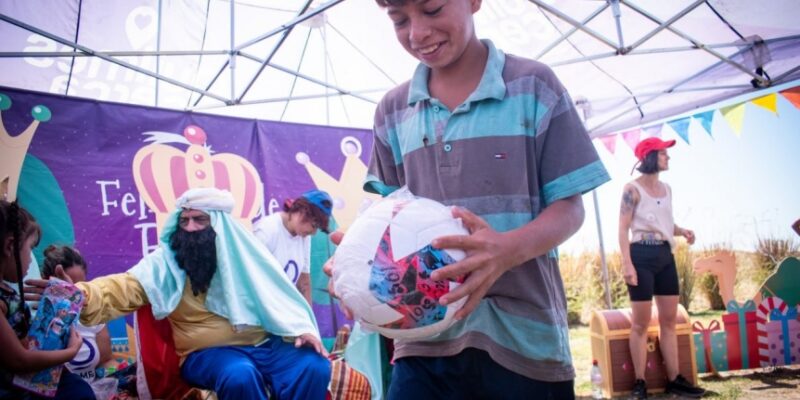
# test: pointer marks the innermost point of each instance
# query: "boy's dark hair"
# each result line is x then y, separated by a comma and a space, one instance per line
21, 225
387, 3
317, 217
650, 163
64, 255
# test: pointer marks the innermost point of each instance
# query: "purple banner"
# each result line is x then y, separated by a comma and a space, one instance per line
101, 176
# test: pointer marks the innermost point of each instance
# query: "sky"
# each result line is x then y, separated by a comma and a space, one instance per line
729, 189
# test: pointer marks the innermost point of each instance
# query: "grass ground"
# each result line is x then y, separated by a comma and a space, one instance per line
756, 384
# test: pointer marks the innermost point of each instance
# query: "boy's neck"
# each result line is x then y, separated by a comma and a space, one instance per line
650, 180
454, 83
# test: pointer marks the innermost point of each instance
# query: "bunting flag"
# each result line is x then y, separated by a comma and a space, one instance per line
610, 142
652, 130
681, 127
735, 116
705, 119
769, 102
632, 137
793, 95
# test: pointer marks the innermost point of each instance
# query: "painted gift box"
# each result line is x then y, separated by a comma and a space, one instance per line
783, 337
742, 334
711, 347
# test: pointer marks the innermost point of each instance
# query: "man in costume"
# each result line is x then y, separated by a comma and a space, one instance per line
239, 325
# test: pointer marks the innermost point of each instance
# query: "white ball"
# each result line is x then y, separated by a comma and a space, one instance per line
382, 268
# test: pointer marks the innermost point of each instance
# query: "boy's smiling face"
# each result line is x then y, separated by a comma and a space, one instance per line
436, 32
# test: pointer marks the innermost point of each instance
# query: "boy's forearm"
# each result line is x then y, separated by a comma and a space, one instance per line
557, 223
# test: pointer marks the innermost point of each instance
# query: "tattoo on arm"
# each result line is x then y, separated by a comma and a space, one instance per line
627, 202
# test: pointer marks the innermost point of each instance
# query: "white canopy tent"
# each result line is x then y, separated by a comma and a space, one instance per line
625, 62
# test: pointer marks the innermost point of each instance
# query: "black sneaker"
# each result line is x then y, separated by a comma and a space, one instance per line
639, 390
682, 387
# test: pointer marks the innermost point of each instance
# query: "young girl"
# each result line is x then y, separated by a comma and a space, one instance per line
18, 235
96, 348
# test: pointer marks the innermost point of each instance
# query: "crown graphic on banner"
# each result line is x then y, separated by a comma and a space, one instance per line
15, 147
163, 173
347, 192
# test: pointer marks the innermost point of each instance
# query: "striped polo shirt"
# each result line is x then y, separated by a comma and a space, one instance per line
512, 148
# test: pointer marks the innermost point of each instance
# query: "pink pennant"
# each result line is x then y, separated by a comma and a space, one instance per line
632, 137
610, 142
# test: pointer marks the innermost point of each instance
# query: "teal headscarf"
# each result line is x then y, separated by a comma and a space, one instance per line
249, 287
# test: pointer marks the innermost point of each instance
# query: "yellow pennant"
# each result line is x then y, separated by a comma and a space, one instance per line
735, 116
769, 102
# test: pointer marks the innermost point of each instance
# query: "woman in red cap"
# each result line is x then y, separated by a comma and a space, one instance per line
287, 234
646, 241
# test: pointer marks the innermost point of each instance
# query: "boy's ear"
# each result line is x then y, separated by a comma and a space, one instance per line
475, 5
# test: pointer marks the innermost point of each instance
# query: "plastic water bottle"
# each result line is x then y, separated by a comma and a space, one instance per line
597, 381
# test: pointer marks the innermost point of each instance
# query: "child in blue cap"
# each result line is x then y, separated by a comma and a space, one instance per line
287, 234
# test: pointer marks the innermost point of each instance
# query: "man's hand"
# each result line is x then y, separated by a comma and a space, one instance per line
336, 238
489, 255
35, 287
310, 340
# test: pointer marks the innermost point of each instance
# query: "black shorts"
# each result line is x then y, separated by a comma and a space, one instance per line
655, 271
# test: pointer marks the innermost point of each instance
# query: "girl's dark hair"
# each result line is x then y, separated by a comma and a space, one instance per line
64, 255
317, 217
650, 163
21, 225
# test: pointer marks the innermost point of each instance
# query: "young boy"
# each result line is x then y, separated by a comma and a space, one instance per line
497, 136
287, 234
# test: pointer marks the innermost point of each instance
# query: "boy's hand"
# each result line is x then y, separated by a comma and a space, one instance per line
310, 340
336, 238
489, 255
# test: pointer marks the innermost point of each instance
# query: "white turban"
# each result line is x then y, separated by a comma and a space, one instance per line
206, 199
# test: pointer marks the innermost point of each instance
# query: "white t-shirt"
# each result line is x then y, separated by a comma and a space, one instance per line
88, 356
293, 252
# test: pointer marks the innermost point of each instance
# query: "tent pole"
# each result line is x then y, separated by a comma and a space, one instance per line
158, 48
232, 57
582, 104
603, 264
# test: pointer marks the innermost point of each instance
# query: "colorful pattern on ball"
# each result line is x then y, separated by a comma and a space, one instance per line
406, 286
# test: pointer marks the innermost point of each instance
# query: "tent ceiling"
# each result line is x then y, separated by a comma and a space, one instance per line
328, 62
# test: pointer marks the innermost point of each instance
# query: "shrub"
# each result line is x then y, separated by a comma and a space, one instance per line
769, 252
686, 277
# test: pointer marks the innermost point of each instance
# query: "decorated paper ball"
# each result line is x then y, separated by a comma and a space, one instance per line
383, 265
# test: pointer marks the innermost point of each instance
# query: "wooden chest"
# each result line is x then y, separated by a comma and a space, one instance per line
610, 330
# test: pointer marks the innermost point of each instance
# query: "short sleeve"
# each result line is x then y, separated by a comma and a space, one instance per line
568, 162
266, 233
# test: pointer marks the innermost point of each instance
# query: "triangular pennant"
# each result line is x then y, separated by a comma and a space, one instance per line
610, 142
653, 130
793, 95
705, 119
681, 127
770, 102
632, 137
735, 116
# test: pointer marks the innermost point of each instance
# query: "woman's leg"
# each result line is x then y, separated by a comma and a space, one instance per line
640, 320
668, 340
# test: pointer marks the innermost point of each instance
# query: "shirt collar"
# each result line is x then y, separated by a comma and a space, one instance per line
491, 85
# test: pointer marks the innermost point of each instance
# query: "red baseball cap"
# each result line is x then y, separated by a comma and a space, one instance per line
651, 144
